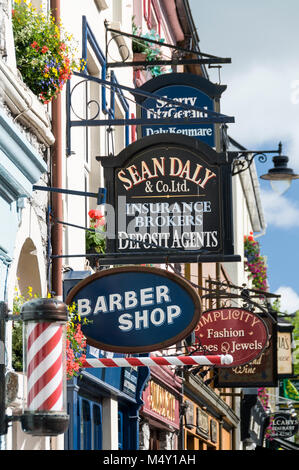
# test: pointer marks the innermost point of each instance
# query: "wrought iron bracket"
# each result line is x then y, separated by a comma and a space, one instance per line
100, 195
243, 159
74, 119
246, 295
208, 58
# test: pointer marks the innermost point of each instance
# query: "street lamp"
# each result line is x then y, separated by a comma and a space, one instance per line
280, 176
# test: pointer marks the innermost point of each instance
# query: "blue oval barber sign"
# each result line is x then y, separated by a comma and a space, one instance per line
135, 309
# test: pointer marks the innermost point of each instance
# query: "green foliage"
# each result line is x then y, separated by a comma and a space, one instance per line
152, 51
95, 239
17, 346
295, 323
17, 329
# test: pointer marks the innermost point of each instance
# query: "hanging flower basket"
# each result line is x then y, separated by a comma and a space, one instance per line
147, 51
255, 263
95, 238
44, 51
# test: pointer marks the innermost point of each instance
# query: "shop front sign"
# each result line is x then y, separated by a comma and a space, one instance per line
202, 423
213, 430
189, 414
184, 89
235, 331
161, 403
134, 309
284, 425
172, 199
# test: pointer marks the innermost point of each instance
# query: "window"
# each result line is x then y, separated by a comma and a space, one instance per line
90, 425
120, 430
152, 15
85, 425
97, 428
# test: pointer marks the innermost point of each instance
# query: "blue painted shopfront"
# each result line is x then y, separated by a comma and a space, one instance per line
86, 393
85, 405
20, 168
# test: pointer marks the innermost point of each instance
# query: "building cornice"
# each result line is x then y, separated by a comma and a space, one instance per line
26, 108
20, 164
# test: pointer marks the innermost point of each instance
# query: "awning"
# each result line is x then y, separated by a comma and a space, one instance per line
283, 444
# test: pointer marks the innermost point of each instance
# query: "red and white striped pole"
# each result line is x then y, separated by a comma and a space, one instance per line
44, 411
44, 367
220, 360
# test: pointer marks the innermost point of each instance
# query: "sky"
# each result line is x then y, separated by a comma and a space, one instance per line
262, 39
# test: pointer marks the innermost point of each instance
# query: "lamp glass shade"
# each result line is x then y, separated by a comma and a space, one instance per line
280, 186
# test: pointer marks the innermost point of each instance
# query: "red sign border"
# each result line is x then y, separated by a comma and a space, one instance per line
267, 343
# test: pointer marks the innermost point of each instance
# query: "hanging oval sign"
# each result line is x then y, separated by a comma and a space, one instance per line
235, 331
134, 309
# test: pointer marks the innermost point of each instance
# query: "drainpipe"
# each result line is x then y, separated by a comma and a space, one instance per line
56, 172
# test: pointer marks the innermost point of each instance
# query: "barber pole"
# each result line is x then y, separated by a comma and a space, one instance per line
45, 367
159, 361
44, 359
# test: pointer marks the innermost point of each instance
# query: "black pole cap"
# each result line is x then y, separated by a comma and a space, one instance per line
44, 424
44, 309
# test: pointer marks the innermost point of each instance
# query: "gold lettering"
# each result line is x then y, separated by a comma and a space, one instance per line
161, 401
196, 172
134, 174
158, 166
124, 180
145, 172
185, 173
172, 171
209, 174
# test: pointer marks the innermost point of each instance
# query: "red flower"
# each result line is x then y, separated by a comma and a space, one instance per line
45, 49
94, 214
34, 45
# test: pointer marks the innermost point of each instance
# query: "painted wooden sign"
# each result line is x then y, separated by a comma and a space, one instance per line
235, 331
172, 198
135, 309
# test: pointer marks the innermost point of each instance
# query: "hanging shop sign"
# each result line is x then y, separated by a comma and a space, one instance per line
186, 89
134, 309
284, 425
259, 372
284, 354
172, 199
290, 389
129, 380
284, 349
235, 331
259, 421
